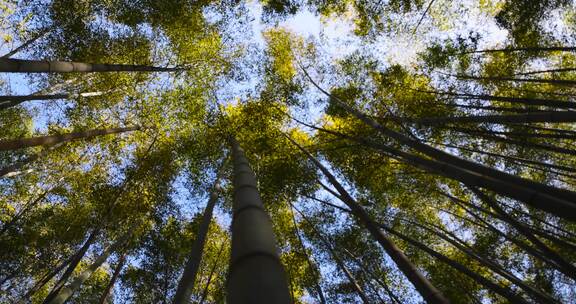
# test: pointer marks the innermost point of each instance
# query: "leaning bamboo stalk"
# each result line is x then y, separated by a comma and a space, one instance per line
488, 284
8, 101
14, 144
551, 116
38, 66
564, 195
186, 283
355, 284
420, 282
66, 292
541, 200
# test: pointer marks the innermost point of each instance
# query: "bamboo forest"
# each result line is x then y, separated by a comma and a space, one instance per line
287, 151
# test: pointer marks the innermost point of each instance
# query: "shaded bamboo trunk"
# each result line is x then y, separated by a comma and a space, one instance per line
512, 158
45, 279
528, 195
15, 169
24, 210
524, 143
521, 100
337, 259
540, 200
498, 109
514, 298
422, 16
551, 116
568, 234
66, 292
26, 44
329, 204
560, 70
15, 144
211, 275
311, 264
110, 286
562, 265
546, 234
527, 49
186, 283
481, 280
256, 275
10, 276
350, 278
8, 101
561, 82
422, 285
557, 201
488, 284
71, 267
551, 236
513, 134
380, 282
552, 130
465, 248
38, 66
485, 225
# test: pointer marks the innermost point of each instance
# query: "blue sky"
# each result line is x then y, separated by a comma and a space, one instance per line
336, 40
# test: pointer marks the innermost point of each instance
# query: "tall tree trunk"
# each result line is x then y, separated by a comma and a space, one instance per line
551, 236
256, 274
14, 144
38, 66
10, 276
552, 116
110, 286
422, 285
186, 284
568, 234
523, 143
422, 17
72, 266
488, 284
336, 259
66, 292
546, 193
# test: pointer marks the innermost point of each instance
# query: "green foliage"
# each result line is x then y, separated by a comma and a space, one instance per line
153, 182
